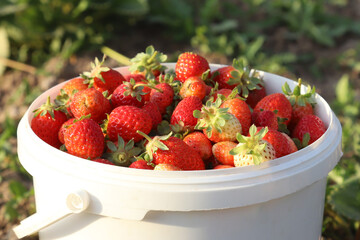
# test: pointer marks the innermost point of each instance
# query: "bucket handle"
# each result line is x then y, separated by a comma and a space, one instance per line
76, 202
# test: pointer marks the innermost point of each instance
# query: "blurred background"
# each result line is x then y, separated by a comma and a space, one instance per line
45, 42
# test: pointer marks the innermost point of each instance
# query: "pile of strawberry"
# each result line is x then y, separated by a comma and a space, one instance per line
187, 118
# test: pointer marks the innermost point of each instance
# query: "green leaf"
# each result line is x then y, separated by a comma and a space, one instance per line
17, 189
344, 92
345, 198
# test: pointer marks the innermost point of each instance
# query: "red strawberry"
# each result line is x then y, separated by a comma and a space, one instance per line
265, 118
103, 78
130, 93
154, 113
90, 101
193, 86
225, 92
136, 76
301, 103
310, 124
109, 81
126, 120
84, 139
279, 142
190, 65
102, 160
221, 166
183, 112
217, 123
247, 81
292, 144
166, 167
201, 144
276, 101
241, 111
47, 122
141, 164
63, 129
256, 95
74, 85
162, 98
221, 151
174, 151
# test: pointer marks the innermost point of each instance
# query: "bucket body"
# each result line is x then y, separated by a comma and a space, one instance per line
279, 199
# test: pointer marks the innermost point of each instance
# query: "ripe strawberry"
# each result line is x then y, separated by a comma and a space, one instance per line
265, 119
247, 81
130, 93
141, 164
217, 123
66, 93
154, 113
224, 92
166, 167
126, 120
162, 98
136, 76
104, 161
84, 138
74, 85
193, 86
90, 101
241, 111
221, 166
183, 112
190, 65
201, 144
148, 63
279, 142
63, 129
291, 142
103, 78
256, 95
108, 81
221, 151
178, 153
301, 103
253, 149
310, 124
47, 122
121, 153
276, 101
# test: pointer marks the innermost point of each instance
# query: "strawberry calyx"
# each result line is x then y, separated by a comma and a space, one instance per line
134, 89
211, 116
122, 154
95, 72
46, 108
179, 130
251, 145
153, 145
296, 98
148, 62
244, 78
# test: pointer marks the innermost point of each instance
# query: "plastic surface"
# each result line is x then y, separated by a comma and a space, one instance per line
275, 200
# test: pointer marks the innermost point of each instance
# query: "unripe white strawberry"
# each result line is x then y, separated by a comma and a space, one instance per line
252, 150
246, 159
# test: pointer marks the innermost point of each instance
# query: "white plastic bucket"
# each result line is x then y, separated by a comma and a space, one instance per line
280, 199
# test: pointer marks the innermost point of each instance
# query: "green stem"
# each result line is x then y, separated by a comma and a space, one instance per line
117, 56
